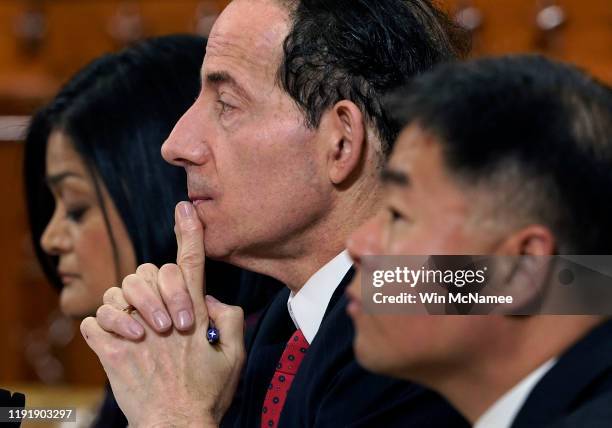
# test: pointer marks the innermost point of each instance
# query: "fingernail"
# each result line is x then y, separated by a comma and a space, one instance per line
136, 329
184, 319
186, 209
161, 320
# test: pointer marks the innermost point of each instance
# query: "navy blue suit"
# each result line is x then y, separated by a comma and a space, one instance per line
577, 391
330, 388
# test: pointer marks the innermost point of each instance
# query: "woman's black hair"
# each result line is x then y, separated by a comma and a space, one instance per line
117, 112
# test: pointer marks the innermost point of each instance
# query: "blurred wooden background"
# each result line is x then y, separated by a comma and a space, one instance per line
42, 42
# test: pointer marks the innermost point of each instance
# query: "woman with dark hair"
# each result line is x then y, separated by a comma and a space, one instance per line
99, 195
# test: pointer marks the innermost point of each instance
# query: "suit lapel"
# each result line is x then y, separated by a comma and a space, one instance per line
330, 345
265, 349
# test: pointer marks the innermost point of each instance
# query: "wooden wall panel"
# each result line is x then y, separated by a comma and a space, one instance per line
588, 36
12, 227
24, 82
509, 26
75, 32
79, 31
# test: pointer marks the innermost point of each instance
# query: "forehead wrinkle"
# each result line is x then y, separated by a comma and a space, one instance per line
251, 46
227, 47
240, 63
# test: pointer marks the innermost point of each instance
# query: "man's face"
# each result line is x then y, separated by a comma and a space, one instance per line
425, 213
255, 172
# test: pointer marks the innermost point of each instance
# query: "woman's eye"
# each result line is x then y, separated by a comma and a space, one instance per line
395, 215
75, 214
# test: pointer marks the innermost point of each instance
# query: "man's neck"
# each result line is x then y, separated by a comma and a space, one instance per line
320, 243
475, 395
295, 272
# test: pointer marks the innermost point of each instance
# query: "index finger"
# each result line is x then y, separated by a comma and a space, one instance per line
190, 256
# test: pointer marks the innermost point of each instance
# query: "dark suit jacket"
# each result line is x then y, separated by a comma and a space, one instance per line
330, 389
577, 391
15, 400
109, 415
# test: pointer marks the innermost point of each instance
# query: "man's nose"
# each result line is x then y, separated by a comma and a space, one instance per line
55, 239
186, 145
366, 240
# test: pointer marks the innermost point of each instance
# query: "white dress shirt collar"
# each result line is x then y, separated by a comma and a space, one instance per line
502, 413
307, 307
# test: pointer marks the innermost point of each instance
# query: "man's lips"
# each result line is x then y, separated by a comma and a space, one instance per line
354, 302
197, 200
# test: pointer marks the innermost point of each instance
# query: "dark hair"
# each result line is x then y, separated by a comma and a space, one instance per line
117, 111
535, 132
361, 49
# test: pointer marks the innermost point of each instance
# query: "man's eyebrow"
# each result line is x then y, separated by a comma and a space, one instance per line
55, 179
217, 78
392, 176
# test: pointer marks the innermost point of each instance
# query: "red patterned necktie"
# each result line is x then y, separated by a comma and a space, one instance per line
286, 369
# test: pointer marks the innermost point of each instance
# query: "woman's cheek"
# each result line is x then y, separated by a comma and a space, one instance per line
95, 259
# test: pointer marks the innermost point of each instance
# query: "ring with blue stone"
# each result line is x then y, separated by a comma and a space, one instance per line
212, 335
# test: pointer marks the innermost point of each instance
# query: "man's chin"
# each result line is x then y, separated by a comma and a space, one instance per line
365, 353
217, 252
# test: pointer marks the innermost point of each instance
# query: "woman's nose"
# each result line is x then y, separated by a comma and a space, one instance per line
55, 239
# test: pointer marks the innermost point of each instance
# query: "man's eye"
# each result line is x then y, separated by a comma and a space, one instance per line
75, 214
224, 107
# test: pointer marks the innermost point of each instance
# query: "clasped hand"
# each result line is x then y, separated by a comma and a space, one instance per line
161, 367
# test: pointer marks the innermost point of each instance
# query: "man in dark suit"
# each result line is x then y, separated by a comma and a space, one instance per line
282, 151
330, 389
502, 157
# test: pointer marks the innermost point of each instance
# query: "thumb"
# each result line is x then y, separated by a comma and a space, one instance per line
190, 255
229, 320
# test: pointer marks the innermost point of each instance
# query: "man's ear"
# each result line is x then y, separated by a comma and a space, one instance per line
346, 141
526, 278
532, 240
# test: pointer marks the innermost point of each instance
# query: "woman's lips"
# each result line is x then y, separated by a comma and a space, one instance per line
67, 278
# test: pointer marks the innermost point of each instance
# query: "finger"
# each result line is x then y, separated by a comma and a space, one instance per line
119, 322
114, 297
93, 334
173, 291
229, 320
104, 344
147, 302
190, 256
148, 272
